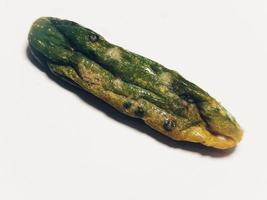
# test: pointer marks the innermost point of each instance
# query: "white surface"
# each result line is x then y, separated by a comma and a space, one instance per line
54, 145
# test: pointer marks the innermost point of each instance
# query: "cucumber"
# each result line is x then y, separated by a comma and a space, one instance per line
133, 84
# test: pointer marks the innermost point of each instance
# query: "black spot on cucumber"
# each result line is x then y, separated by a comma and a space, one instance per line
127, 104
139, 112
187, 98
169, 125
93, 37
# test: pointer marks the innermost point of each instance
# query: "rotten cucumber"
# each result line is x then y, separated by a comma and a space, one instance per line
133, 84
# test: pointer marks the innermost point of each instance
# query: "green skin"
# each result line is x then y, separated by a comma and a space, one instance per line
76, 53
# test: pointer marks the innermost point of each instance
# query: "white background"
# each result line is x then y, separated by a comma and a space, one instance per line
59, 143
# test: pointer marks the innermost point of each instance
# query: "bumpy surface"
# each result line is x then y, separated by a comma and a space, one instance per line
134, 85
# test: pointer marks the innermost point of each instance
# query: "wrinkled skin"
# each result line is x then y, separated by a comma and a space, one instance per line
134, 85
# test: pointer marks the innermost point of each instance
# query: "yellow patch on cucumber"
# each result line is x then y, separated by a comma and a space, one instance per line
89, 75
165, 78
118, 83
114, 53
163, 89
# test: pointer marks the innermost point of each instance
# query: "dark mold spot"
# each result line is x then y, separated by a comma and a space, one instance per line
139, 112
169, 125
127, 104
93, 37
156, 68
187, 98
